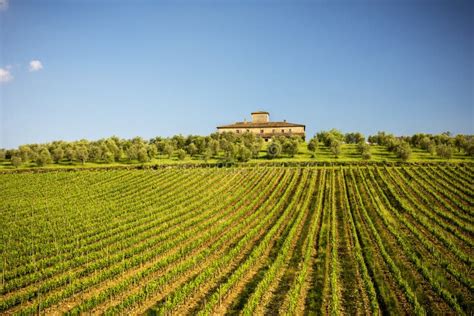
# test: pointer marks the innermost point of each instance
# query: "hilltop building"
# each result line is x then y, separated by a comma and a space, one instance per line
263, 127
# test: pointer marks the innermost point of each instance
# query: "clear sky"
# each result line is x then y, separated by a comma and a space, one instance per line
72, 69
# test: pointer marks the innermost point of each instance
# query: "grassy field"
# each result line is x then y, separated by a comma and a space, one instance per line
349, 153
264, 240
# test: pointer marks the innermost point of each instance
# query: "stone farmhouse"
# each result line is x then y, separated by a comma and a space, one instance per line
263, 127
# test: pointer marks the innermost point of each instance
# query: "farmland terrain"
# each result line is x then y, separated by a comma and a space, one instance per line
349, 239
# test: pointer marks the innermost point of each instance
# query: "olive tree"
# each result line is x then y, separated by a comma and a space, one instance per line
70, 153
364, 150
181, 154
327, 137
58, 154
274, 150
142, 155
444, 151
112, 145
152, 151
313, 146
469, 147
109, 157
256, 146
16, 161
243, 154
230, 152
44, 157
207, 154
425, 143
213, 145
290, 147
95, 153
26, 153
460, 142
335, 147
192, 149
82, 153
403, 151
168, 150
132, 152
353, 138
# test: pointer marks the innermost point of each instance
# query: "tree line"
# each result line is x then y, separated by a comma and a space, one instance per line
442, 145
230, 147
114, 149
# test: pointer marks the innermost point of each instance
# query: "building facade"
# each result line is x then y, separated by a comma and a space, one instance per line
263, 127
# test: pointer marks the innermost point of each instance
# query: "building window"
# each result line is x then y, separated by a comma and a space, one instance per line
282, 130
237, 131
248, 131
289, 130
261, 131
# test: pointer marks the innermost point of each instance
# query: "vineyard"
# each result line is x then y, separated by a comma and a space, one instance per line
243, 240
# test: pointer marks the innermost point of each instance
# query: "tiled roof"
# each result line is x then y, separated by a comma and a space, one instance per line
279, 134
260, 125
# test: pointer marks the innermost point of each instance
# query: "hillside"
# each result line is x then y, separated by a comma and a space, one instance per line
346, 239
349, 153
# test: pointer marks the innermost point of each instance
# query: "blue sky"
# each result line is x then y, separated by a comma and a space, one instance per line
156, 68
